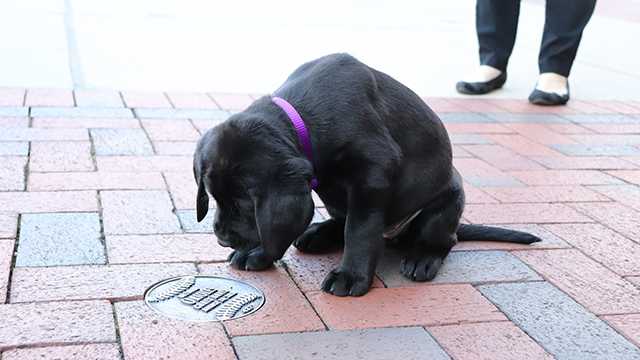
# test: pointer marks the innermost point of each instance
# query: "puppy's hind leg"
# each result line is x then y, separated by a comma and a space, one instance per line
321, 237
430, 237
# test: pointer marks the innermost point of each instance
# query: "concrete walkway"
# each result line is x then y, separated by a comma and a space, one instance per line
250, 46
97, 203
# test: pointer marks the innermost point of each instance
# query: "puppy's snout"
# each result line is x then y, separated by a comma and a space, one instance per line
217, 227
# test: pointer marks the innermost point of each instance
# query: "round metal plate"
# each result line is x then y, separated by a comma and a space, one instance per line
203, 298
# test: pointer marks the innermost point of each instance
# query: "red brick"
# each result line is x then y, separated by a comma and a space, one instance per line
631, 176
98, 98
569, 129
145, 335
175, 148
477, 128
140, 99
183, 189
522, 213
170, 130
232, 101
490, 341
619, 217
14, 122
617, 106
98, 180
138, 212
583, 162
12, 173
405, 306
49, 97
479, 173
204, 124
614, 128
191, 101
11, 96
144, 163
589, 283
308, 270
459, 152
628, 195
478, 105
61, 156
474, 195
285, 310
32, 134
541, 134
549, 240
588, 107
8, 225
607, 139
603, 245
522, 145
88, 123
502, 158
524, 107
564, 177
544, 194
34, 202
632, 159
6, 255
442, 105
114, 282
71, 352
628, 325
127, 249
56, 323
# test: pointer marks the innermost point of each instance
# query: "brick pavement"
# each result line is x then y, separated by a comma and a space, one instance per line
97, 203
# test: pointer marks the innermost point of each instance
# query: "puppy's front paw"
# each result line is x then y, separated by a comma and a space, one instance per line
422, 268
252, 260
346, 283
320, 238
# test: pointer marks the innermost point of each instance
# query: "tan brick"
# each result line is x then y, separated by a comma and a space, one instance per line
127, 249
114, 282
145, 335
70, 352
31, 202
49, 97
6, 255
589, 283
12, 173
56, 323
170, 130
85, 123
145, 163
97, 180
61, 156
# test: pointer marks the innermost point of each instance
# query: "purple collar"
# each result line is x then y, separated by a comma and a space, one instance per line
301, 130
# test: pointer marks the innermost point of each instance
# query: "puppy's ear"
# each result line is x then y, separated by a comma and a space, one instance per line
285, 208
202, 200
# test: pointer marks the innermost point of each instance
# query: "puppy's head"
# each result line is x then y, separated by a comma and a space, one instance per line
261, 187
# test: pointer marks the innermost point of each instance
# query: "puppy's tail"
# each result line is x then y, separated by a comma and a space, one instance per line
468, 232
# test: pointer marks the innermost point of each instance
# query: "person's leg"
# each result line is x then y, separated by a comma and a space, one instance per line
564, 24
496, 26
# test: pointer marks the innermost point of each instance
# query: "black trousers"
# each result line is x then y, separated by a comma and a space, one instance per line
497, 23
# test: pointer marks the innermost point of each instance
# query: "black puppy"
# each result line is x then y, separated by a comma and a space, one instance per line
383, 161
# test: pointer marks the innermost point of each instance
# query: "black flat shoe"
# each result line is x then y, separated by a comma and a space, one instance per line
481, 87
539, 97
